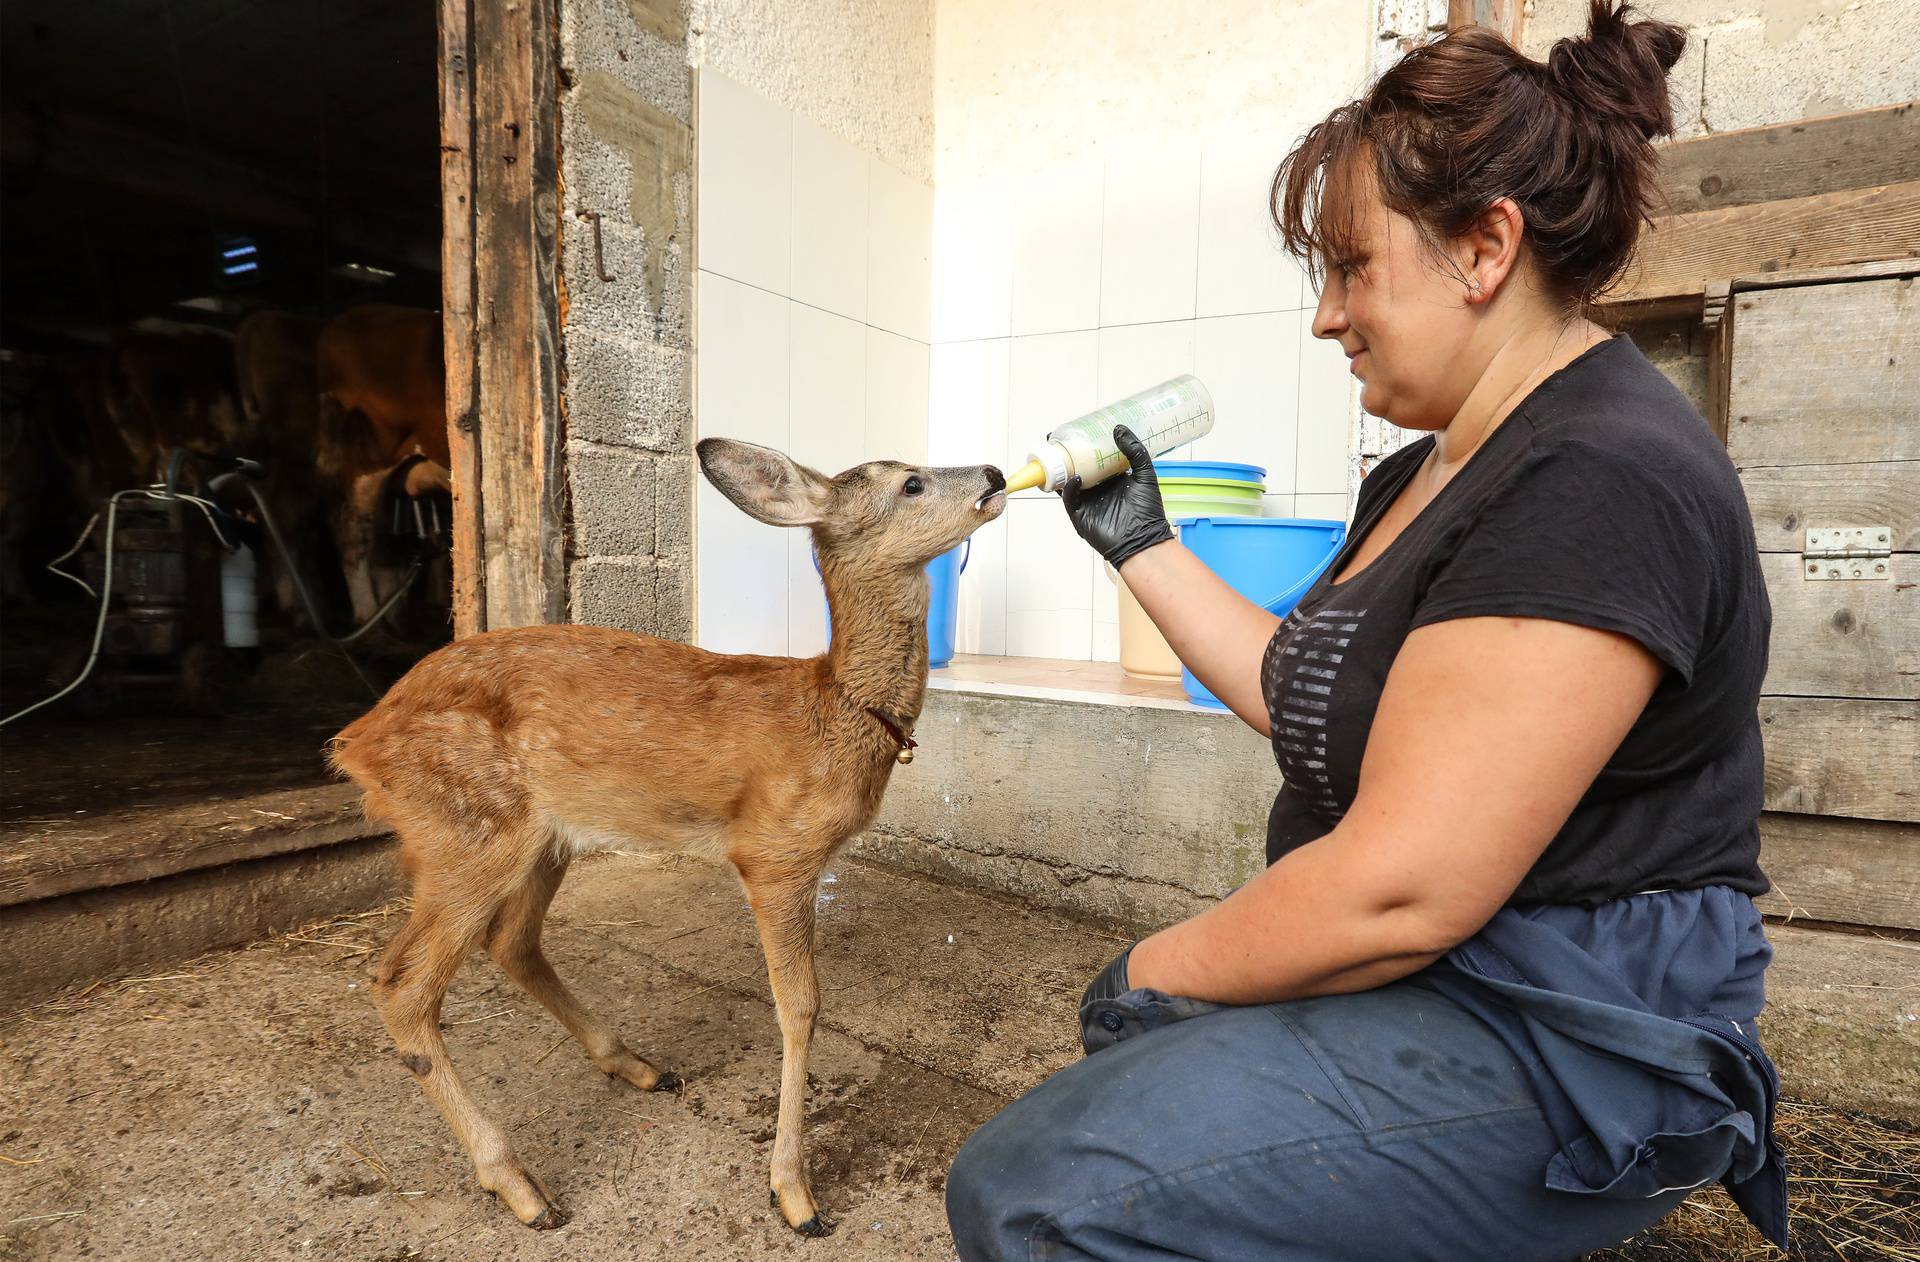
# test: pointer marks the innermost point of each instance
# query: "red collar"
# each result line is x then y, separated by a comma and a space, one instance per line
906, 742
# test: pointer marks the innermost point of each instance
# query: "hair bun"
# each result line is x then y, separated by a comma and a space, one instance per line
1617, 71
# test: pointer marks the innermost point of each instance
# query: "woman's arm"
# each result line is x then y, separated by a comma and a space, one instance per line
1218, 634
1489, 731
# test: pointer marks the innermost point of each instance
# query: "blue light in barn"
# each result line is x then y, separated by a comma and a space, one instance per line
239, 256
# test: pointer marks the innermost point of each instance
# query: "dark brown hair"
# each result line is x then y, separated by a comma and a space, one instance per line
1463, 121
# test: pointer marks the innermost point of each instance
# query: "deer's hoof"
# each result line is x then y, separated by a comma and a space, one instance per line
815, 1227
669, 1081
549, 1218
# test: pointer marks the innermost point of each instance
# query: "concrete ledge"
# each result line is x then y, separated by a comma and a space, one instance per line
100, 850
100, 933
1123, 809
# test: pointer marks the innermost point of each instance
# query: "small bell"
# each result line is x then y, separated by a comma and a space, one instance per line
905, 755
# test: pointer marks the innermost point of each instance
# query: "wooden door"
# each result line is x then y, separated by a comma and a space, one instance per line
1823, 422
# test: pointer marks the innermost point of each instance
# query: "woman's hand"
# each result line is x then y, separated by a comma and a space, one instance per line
1122, 516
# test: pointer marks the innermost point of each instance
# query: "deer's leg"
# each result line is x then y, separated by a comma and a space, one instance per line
409, 984
355, 524
514, 943
783, 908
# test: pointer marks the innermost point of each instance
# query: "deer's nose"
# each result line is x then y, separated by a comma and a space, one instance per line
996, 480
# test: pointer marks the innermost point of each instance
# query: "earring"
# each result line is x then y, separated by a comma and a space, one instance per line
1475, 285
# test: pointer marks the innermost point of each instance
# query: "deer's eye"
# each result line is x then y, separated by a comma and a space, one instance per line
913, 486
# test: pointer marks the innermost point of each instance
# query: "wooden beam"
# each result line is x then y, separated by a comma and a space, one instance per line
516, 291
1505, 17
1785, 500
1845, 639
1828, 756
460, 326
1849, 871
1682, 253
1787, 160
1826, 374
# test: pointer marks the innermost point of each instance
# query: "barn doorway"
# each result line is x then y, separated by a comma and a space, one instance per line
220, 255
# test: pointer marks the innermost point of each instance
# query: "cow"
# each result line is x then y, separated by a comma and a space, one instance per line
168, 388
382, 396
274, 359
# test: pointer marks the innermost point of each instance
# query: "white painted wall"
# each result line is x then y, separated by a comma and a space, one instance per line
1101, 225
861, 69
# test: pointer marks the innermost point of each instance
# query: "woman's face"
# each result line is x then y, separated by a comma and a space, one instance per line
1401, 316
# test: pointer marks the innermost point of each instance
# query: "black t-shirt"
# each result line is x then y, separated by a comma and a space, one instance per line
1602, 500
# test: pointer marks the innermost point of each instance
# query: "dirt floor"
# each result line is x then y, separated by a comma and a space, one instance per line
248, 1105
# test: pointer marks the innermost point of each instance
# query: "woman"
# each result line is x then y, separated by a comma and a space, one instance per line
1494, 995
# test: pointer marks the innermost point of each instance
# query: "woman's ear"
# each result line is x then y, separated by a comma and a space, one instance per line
1492, 249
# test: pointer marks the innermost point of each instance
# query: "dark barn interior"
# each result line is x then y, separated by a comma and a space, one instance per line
219, 240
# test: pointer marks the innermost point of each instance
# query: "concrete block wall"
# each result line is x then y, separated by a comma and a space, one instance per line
1752, 63
627, 156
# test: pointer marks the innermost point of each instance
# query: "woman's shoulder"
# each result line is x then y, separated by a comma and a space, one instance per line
1616, 420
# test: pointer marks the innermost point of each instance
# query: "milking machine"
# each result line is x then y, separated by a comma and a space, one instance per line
175, 573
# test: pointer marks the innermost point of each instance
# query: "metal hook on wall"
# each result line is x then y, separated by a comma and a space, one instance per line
599, 255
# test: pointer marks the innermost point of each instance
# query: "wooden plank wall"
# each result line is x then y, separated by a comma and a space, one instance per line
457, 310
1824, 426
500, 189
1791, 197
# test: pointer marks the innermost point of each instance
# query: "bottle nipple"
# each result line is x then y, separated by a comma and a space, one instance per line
1026, 477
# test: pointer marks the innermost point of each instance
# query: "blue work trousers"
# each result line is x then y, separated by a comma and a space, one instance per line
1384, 1126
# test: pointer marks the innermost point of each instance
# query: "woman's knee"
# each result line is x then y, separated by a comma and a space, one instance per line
987, 1191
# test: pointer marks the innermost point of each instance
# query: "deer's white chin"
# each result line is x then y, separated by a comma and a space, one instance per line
991, 505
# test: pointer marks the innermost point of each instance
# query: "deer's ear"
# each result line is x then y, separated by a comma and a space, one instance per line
765, 484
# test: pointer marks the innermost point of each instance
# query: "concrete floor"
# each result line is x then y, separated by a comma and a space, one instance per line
248, 1104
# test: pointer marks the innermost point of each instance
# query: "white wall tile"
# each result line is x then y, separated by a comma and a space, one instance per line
1326, 415
897, 399
829, 222
972, 261
1057, 633
1052, 379
1106, 615
1056, 250
827, 385
1136, 356
1322, 507
982, 625
1049, 583
967, 402
1242, 266
741, 564
806, 598
1276, 505
899, 252
1250, 364
742, 361
746, 184
1150, 236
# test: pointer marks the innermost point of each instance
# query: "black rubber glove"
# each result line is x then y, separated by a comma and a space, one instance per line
1113, 1009
1123, 515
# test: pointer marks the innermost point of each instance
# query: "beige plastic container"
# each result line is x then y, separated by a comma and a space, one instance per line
1144, 652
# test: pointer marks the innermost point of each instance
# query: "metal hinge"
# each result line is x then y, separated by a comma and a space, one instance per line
1849, 552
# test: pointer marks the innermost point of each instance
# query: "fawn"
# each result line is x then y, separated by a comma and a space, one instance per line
501, 757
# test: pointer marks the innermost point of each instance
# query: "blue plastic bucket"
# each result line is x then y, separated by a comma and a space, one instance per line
943, 609
1217, 470
1272, 561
